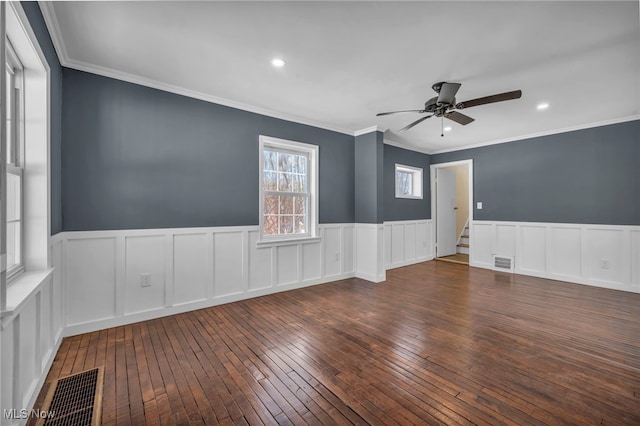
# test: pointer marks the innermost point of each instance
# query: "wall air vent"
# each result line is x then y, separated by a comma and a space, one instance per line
503, 263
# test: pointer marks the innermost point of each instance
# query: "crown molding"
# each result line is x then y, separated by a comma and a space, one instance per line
367, 130
154, 84
51, 20
407, 147
540, 134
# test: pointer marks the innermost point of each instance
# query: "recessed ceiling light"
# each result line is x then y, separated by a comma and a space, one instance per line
447, 129
542, 106
278, 62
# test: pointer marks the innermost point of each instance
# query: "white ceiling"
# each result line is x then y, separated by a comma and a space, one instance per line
347, 61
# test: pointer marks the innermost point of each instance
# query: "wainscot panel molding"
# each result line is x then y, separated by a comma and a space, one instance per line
120, 277
31, 335
598, 255
369, 250
407, 242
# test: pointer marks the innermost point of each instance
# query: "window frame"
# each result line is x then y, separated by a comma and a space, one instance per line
298, 148
15, 164
36, 193
416, 174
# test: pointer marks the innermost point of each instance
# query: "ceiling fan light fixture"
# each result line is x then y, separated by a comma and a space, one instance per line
278, 62
542, 106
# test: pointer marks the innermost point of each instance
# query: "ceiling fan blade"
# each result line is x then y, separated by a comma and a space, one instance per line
459, 118
448, 93
415, 123
399, 112
507, 96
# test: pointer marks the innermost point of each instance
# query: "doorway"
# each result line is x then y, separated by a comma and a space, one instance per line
452, 210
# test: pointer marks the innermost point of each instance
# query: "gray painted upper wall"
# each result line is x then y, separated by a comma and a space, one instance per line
34, 15
368, 166
404, 208
135, 157
589, 176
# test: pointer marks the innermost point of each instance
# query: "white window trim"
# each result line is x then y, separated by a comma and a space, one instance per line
417, 178
36, 155
312, 181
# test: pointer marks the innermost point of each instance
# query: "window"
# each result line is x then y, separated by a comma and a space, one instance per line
14, 152
24, 177
408, 182
288, 189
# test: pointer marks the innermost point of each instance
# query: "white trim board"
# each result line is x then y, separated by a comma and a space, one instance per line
48, 12
432, 177
597, 255
191, 268
369, 252
539, 134
407, 242
51, 21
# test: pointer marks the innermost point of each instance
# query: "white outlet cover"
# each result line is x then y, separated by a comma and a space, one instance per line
145, 280
479, 205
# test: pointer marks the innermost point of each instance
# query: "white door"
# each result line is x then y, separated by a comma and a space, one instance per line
445, 213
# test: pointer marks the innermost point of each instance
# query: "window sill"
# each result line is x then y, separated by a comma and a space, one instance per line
22, 289
292, 241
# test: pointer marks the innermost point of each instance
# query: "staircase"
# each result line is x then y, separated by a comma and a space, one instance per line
463, 241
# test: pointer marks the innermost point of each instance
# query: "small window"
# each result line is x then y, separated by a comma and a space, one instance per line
408, 182
288, 189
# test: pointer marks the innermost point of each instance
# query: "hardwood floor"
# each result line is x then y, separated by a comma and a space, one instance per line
437, 343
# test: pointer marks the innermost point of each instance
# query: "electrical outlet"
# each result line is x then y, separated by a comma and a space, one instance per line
604, 263
337, 257
145, 280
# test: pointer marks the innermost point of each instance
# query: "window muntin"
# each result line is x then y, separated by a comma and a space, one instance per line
408, 182
288, 189
15, 165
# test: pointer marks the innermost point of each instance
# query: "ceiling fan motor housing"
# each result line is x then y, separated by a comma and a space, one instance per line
431, 104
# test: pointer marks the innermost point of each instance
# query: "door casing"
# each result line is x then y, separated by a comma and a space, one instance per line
433, 167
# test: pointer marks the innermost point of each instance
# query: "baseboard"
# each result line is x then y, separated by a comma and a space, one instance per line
373, 278
409, 262
101, 324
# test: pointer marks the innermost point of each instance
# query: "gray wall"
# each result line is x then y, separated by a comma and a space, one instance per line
135, 157
404, 208
32, 10
585, 176
369, 202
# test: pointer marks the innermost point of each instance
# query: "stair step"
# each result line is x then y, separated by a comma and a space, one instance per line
463, 245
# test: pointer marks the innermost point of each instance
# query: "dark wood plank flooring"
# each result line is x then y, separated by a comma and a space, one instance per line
437, 343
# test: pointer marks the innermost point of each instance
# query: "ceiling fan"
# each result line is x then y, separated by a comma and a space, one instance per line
444, 105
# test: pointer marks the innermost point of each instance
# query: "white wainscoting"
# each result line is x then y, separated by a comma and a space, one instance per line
30, 336
599, 255
190, 268
369, 250
407, 242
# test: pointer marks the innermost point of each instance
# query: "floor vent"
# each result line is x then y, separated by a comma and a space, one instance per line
74, 400
502, 263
